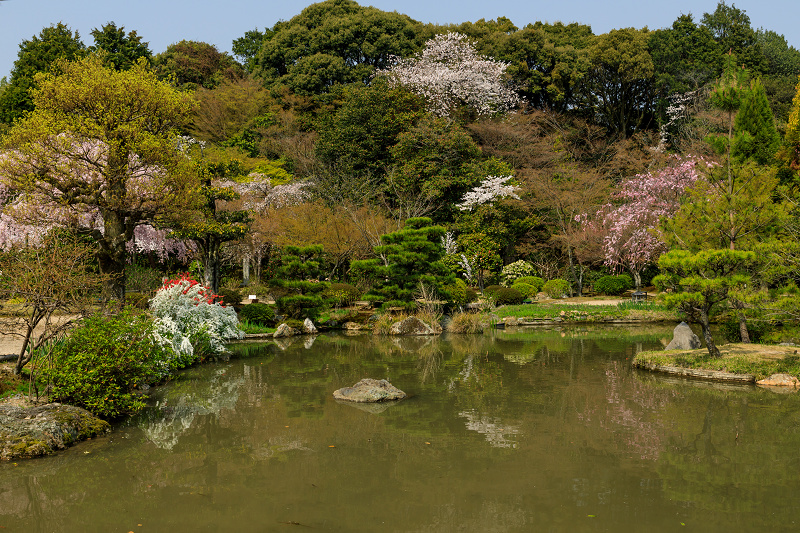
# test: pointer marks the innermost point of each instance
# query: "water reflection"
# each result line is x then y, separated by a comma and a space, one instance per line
516, 431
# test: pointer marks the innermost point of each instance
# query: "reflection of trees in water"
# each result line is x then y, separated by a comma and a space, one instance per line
497, 434
183, 402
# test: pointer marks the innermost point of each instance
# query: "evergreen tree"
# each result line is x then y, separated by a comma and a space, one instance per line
412, 255
299, 276
756, 137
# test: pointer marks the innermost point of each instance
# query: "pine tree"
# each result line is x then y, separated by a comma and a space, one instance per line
413, 256
299, 275
756, 137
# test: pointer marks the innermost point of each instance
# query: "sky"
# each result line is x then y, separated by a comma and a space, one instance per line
163, 22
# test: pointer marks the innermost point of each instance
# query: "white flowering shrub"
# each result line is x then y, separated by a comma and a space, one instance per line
516, 270
189, 322
490, 189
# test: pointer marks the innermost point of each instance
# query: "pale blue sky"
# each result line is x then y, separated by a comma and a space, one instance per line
163, 22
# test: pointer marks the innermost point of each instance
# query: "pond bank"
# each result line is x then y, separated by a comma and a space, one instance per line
739, 363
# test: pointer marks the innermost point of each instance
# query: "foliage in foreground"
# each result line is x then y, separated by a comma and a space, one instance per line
103, 361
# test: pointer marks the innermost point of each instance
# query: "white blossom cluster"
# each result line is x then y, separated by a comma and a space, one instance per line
488, 190
450, 72
183, 315
259, 193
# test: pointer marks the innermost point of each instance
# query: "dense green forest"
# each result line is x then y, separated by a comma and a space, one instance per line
568, 154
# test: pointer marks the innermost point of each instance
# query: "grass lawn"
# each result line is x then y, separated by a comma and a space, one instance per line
760, 360
588, 310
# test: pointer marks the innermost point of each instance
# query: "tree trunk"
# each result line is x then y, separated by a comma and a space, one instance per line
713, 351
112, 254
743, 331
211, 264
246, 270
637, 279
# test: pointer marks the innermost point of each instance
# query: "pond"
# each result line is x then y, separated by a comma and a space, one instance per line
527, 430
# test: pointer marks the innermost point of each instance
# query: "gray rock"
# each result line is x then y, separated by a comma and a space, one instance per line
511, 321
308, 326
352, 326
284, 331
370, 390
411, 326
683, 338
44, 429
780, 380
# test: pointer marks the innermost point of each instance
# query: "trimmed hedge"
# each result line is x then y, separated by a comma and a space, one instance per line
613, 285
557, 288
258, 313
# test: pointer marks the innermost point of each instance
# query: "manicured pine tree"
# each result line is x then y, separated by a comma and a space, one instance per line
299, 276
412, 255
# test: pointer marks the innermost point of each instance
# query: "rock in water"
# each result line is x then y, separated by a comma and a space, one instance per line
683, 338
370, 390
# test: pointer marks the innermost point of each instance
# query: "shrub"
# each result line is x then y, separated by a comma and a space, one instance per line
189, 322
458, 292
138, 300
613, 285
556, 288
468, 323
525, 290
536, 282
101, 363
489, 290
258, 313
507, 296
342, 294
513, 271
230, 297
471, 295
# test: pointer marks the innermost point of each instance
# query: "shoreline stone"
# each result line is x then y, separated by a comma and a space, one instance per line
27, 432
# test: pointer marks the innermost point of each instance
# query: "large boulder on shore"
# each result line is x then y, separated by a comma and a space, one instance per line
369, 390
284, 330
43, 429
683, 338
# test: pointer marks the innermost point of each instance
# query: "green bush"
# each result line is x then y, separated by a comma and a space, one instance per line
103, 361
230, 297
507, 296
258, 313
489, 290
512, 272
471, 295
139, 300
342, 294
458, 292
527, 291
536, 282
613, 285
557, 288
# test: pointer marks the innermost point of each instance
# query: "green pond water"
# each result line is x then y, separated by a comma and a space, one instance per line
529, 430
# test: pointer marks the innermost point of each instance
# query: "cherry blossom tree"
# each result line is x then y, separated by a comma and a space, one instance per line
631, 240
449, 72
490, 189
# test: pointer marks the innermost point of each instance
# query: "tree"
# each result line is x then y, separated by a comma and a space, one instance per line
731, 29
299, 275
35, 56
194, 64
231, 109
100, 148
629, 227
356, 139
334, 42
620, 81
246, 48
702, 280
756, 137
449, 74
413, 256
123, 50
790, 151
54, 277
211, 225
